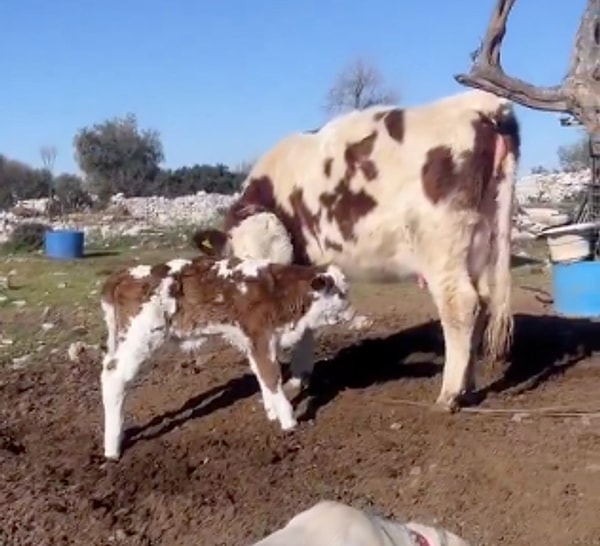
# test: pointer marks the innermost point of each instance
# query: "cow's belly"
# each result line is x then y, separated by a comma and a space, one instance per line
377, 258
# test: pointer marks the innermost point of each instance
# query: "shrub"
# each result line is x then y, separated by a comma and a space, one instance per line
27, 237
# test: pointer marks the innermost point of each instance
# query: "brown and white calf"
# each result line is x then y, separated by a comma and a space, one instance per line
391, 192
255, 306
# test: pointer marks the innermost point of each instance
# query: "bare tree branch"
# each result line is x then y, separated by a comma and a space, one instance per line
358, 86
48, 155
578, 94
487, 73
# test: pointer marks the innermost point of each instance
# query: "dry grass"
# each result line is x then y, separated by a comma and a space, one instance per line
49, 303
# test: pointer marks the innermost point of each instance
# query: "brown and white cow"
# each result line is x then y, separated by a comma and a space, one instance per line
388, 192
256, 306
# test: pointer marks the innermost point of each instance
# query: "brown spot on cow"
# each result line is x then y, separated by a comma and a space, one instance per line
358, 156
257, 197
347, 207
327, 167
332, 245
477, 165
438, 173
471, 177
304, 215
393, 121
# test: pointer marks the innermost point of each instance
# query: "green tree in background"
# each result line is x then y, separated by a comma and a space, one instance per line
20, 181
575, 156
118, 156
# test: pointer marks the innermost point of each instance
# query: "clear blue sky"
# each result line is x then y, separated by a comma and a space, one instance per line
223, 80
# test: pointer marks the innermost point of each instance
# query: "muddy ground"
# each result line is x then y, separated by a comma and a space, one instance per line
203, 465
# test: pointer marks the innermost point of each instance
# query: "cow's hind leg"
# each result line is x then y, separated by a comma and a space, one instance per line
481, 322
302, 361
459, 308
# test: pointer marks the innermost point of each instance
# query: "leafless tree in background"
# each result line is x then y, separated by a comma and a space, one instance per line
358, 86
48, 155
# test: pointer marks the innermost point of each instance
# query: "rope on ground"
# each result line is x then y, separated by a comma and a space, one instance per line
548, 411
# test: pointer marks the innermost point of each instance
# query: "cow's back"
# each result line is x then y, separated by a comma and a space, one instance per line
357, 191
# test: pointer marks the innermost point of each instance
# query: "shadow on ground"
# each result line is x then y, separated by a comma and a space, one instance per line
100, 253
214, 399
520, 261
544, 346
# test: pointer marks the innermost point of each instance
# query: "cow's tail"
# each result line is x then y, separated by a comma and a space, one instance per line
499, 330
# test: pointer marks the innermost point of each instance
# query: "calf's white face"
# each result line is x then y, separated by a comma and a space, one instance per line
330, 304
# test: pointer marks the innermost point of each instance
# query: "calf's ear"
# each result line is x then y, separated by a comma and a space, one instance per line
210, 242
322, 283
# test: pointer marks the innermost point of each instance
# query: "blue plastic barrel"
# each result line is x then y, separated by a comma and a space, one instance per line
64, 244
576, 288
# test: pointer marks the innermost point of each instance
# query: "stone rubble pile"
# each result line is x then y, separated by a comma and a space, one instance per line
552, 187
125, 216
133, 215
188, 209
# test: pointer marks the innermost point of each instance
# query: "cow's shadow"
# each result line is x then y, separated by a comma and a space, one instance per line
543, 347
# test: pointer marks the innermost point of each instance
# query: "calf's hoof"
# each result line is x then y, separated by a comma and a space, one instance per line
271, 415
289, 425
112, 456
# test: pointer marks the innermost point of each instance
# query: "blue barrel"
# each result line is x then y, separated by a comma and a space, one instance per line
576, 288
64, 244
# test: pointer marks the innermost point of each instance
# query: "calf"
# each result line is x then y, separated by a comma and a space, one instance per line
330, 523
256, 306
387, 193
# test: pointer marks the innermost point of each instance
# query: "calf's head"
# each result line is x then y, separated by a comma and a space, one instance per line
258, 236
327, 302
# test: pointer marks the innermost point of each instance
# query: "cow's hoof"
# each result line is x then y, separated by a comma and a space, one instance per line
470, 398
447, 404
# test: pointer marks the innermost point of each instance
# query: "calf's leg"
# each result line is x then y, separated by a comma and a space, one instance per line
118, 371
263, 363
111, 327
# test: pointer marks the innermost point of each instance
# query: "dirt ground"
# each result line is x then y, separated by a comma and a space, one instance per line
203, 466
